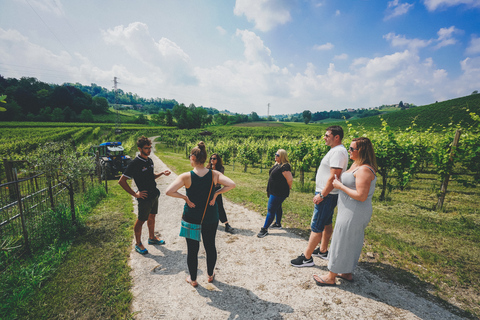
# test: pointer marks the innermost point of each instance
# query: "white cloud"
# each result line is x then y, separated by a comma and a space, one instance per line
474, 46
403, 42
342, 56
221, 30
433, 5
267, 14
445, 37
39, 62
337, 13
164, 57
395, 9
323, 47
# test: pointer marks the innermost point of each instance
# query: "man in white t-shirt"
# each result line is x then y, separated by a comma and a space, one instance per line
334, 163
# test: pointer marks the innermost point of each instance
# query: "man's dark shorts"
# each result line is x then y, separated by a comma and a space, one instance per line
147, 207
323, 213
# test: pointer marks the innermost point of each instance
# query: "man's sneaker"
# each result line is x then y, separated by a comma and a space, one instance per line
263, 232
301, 261
276, 226
317, 253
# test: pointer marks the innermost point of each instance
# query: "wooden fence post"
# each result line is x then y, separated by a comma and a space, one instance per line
72, 202
106, 179
9, 174
443, 189
98, 166
22, 215
50, 192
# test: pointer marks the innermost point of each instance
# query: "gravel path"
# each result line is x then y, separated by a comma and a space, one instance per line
254, 279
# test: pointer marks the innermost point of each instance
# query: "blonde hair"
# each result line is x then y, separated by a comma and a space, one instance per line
366, 154
282, 156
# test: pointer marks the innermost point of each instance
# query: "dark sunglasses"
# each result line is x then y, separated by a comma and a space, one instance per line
351, 149
277, 155
213, 158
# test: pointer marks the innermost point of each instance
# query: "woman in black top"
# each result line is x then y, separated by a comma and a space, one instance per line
198, 184
216, 164
278, 189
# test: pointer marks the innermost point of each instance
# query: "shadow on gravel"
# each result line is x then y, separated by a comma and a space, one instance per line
172, 261
242, 303
399, 277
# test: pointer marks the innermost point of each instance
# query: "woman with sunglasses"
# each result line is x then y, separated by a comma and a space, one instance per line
278, 189
217, 164
354, 212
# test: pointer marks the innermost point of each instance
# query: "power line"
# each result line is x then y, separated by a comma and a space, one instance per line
49, 29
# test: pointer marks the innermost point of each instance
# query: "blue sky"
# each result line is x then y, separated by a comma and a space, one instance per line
242, 55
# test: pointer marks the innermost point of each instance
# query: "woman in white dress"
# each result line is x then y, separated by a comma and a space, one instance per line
354, 212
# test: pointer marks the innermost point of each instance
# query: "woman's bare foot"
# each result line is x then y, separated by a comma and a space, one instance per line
346, 276
324, 281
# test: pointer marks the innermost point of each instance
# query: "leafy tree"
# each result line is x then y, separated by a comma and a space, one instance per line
141, 119
100, 105
168, 118
68, 114
86, 115
307, 116
57, 115
254, 116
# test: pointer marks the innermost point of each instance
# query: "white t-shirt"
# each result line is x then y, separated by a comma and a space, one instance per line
336, 157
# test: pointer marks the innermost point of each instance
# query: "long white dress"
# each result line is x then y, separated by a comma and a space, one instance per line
353, 217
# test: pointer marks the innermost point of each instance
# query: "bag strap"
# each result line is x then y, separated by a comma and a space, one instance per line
206, 204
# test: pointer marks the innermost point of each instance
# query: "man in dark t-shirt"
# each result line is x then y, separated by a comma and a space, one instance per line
141, 170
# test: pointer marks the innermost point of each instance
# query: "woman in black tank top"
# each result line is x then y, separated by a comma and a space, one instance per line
199, 184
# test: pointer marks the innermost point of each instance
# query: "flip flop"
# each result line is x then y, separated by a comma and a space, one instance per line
192, 283
320, 282
349, 280
211, 278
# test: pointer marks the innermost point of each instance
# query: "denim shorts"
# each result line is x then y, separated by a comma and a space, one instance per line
323, 213
147, 207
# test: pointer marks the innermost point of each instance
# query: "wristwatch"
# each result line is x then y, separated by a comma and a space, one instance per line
321, 196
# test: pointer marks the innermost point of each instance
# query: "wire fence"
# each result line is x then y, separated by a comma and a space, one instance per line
37, 210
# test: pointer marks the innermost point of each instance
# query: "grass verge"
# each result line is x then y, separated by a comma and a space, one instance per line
93, 280
434, 254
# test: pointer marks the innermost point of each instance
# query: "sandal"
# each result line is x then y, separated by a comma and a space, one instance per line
193, 283
320, 282
210, 278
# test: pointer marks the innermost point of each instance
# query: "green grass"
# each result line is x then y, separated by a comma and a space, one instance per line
434, 254
93, 280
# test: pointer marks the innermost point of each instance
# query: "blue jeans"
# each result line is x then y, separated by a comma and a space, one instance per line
323, 213
274, 210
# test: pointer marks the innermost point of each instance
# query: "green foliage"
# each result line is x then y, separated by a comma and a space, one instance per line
2, 100
59, 155
307, 116
436, 115
21, 279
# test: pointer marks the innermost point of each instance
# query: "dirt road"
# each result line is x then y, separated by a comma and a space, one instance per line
254, 279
